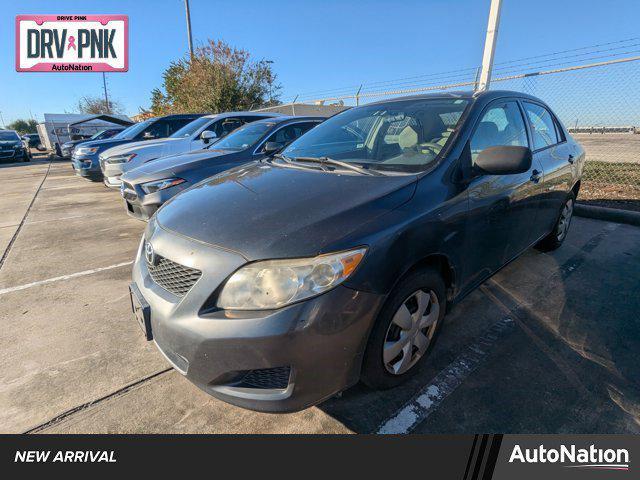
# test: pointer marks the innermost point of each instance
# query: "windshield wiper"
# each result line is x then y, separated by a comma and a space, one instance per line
350, 166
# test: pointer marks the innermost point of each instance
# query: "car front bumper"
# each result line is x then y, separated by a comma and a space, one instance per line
112, 172
87, 167
300, 355
141, 205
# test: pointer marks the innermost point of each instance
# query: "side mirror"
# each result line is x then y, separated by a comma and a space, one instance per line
207, 136
148, 136
272, 147
504, 160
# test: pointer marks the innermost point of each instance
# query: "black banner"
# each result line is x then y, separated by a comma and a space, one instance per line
462, 457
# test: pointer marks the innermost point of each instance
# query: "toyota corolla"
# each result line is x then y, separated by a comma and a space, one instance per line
274, 286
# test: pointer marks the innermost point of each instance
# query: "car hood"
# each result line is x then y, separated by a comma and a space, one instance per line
10, 143
147, 149
106, 143
264, 211
177, 165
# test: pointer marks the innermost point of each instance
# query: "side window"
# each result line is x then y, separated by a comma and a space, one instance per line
501, 125
229, 125
288, 134
156, 130
543, 126
177, 124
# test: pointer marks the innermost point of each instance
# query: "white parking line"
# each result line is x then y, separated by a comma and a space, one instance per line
63, 277
427, 400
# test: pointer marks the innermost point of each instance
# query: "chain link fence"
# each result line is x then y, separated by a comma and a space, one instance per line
599, 103
600, 106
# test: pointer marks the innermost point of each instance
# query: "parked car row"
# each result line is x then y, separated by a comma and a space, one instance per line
287, 258
68, 147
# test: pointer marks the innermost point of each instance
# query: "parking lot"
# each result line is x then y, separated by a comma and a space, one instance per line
550, 344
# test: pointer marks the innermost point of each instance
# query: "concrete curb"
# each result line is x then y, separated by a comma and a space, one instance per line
608, 214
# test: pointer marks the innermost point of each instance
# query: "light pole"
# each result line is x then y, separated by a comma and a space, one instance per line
490, 45
186, 7
106, 96
1, 120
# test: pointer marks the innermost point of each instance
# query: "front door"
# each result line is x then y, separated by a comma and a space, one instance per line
502, 208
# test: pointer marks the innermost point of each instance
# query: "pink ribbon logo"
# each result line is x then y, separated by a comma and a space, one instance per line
72, 43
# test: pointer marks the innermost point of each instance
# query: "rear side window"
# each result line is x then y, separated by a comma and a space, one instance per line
543, 126
501, 125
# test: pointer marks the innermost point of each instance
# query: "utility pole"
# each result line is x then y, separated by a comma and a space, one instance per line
186, 7
490, 45
106, 96
1, 120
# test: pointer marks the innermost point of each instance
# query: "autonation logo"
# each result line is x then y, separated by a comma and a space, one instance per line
588, 458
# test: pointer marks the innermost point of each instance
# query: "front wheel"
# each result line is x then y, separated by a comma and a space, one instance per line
405, 330
561, 228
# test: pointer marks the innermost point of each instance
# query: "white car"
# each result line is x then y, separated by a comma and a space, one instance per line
196, 135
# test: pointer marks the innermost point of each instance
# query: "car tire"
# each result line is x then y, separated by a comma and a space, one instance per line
399, 324
557, 236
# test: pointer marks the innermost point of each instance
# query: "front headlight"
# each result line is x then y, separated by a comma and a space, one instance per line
117, 159
275, 283
152, 187
86, 150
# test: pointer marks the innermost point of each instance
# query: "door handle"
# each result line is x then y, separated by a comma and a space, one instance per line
535, 176
571, 159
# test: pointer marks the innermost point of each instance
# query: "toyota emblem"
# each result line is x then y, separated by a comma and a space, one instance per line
149, 254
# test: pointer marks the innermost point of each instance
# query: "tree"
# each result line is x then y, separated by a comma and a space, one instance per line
24, 126
218, 78
95, 105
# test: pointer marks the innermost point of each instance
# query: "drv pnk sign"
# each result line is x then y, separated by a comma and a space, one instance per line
72, 43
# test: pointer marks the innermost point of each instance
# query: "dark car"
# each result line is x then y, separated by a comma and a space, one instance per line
85, 159
275, 285
12, 148
32, 140
67, 148
146, 188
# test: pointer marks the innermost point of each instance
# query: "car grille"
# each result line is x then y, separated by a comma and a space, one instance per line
172, 276
6, 153
267, 378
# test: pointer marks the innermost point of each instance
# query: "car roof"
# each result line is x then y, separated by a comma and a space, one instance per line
179, 115
253, 114
486, 95
289, 118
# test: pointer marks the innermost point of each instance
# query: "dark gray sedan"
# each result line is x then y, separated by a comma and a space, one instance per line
279, 283
147, 187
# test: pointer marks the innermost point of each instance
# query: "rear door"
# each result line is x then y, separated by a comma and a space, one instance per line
502, 208
553, 152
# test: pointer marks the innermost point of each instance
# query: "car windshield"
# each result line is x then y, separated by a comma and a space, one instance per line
244, 137
190, 128
401, 136
4, 136
130, 132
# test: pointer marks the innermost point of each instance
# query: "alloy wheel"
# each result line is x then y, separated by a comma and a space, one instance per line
410, 331
565, 219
